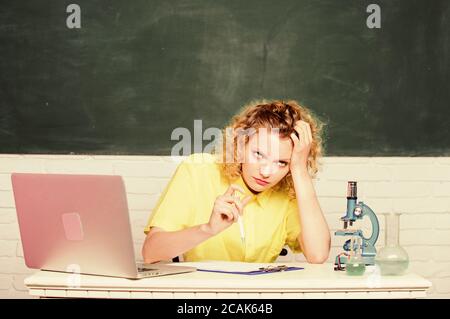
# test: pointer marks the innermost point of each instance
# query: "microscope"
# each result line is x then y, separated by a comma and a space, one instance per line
357, 211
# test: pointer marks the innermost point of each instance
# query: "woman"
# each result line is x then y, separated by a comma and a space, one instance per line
268, 158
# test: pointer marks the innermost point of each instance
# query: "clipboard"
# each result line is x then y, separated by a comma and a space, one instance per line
260, 271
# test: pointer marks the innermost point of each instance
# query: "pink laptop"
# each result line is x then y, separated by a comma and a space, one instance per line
79, 223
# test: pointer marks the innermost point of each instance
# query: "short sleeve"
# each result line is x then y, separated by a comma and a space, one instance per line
293, 227
174, 208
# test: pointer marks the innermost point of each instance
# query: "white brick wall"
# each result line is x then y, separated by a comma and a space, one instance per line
417, 187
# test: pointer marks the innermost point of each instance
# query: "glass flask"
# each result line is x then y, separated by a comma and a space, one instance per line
355, 265
392, 259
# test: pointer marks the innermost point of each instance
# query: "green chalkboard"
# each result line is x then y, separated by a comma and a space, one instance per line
136, 70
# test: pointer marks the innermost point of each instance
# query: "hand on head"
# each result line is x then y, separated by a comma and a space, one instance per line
302, 145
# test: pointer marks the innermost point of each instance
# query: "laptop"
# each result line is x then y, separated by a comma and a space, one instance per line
79, 223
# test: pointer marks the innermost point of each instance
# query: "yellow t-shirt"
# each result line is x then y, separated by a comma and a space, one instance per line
271, 220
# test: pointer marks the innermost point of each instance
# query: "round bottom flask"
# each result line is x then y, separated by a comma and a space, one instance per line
393, 260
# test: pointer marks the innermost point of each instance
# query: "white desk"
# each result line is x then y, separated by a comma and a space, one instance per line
315, 281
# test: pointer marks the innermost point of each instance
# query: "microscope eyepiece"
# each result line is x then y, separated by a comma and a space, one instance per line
352, 189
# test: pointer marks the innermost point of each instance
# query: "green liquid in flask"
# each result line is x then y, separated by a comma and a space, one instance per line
355, 268
355, 265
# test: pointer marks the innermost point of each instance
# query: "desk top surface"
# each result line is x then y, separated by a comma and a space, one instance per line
313, 276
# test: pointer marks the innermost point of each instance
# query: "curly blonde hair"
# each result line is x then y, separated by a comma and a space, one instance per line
278, 114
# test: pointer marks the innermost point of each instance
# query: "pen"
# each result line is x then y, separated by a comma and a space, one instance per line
241, 226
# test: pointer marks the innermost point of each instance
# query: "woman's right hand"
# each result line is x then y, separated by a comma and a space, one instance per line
226, 210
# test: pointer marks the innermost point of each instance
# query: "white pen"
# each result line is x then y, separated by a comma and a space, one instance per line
241, 224
241, 227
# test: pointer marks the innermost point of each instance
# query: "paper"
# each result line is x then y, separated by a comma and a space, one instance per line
227, 266
238, 268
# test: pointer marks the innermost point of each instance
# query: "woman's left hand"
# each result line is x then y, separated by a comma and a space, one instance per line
302, 146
